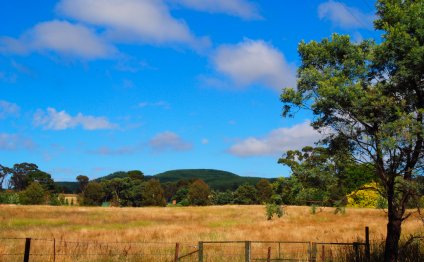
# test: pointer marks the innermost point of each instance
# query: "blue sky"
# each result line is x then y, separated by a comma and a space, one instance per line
96, 86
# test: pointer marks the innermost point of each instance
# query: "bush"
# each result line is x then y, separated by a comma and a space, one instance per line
34, 194
273, 209
367, 197
9, 198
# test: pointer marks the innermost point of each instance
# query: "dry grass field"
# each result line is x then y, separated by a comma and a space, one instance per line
82, 233
192, 224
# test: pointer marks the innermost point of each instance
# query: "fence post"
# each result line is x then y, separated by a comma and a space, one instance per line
356, 248
367, 245
54, 249
247, 248
279, 250
200, 251
268, 258
314, 252
27, 249
323, 253
177, 251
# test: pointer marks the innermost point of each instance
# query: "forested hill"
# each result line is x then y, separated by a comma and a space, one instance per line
216, 179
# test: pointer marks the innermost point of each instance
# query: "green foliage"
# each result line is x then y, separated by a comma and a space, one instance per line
198, 193
216, 179
9, 197
264, 191
55, 200
34, 194
153, 194
272, 209
222, 198
372, 97
245, 195
93, 194
313, 209
82, 182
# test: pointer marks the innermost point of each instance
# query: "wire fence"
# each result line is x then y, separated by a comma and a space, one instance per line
61, 250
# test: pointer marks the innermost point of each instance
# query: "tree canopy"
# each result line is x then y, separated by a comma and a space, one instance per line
372, 96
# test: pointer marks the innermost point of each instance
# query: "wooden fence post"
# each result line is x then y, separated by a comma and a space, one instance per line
367, 245
177, 251
356, 248
314, 252
54, 249
200, 251
279, 250
27, 249
268, 258
323, 253
247, 249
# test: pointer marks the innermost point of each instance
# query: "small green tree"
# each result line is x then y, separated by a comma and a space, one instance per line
245, 195
93, 194
198, 193
34, 194
153, 194
264, 191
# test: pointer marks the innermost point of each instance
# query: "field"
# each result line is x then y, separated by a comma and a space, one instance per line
192, 224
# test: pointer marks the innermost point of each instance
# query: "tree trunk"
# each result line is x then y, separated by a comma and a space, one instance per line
394, 227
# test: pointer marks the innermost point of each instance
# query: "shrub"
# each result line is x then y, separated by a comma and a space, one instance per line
34, 194
367, 197
273, 209
9, 198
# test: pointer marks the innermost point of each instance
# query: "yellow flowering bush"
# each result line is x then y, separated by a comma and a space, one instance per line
367, 197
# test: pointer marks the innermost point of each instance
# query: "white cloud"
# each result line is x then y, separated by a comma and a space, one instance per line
169, 141
132, 20
240, 8
8, 109
60, 37
60, 120
254, 62
9, 142
277, 141
344, 16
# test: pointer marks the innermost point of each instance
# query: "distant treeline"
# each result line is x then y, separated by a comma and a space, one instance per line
29, 185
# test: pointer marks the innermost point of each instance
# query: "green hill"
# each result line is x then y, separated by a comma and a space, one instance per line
216, 179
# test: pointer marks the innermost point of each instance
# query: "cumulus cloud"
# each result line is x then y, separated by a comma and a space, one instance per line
59, 120
344, 16
254, 62
60, 37
10, 142
168, 141
277, 141
8, 109
240, 8
132, 20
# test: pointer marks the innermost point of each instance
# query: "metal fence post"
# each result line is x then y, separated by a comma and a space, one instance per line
27, 249
268, 258
200, 251
247, 250
367, 245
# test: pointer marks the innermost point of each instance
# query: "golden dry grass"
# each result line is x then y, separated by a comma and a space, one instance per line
192, 224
